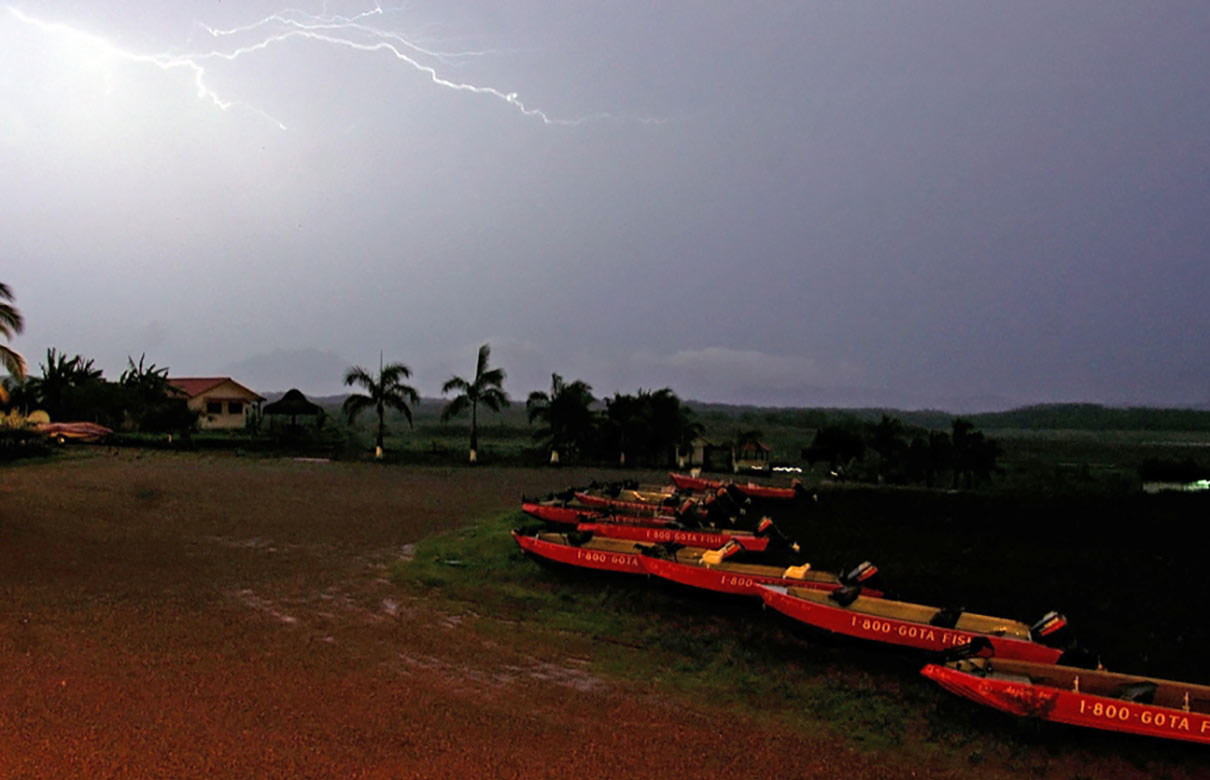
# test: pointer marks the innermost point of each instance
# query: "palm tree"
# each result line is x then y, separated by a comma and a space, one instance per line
11, 323
672, 425
385, 390
566, 415
57, 391
486, 389
627, 416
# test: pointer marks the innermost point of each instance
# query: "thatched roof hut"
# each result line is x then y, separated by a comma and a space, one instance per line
293, 403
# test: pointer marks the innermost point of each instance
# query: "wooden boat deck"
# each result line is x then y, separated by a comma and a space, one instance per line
919, 613
694, 558
1168, 693
598, 543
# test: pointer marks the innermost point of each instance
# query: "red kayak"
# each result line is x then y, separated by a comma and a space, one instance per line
1081, 697
911, 625
605, 554
710, 540
738, 578
575, 515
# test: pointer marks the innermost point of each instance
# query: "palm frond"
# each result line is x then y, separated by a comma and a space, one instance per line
11, 320
359, 376
13, 363
494, 399
399, 401
493, 378
392, 373
454, 408
356, 404
537, 405
485, 353
455, 383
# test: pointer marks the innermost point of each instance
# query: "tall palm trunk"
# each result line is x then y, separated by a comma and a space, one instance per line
474, 432
378, 436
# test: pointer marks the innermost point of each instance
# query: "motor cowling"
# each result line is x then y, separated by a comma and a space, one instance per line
1052, 630
846, 595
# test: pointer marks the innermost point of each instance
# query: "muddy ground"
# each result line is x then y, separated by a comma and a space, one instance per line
216, 616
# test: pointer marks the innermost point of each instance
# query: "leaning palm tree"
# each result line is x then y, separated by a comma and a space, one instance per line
385, 390
11, 323
486, 389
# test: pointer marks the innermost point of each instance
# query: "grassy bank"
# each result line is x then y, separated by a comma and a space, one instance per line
730, 652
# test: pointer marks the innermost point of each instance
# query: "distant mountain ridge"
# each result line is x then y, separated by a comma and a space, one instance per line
1054, 416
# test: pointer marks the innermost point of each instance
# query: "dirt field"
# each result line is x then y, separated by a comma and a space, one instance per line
170, 616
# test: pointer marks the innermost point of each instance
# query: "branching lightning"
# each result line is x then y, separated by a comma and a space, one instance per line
353, 32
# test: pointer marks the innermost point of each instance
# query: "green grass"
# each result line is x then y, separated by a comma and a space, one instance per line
729, 652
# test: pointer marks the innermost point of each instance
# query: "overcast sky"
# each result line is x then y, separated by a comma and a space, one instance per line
929, 203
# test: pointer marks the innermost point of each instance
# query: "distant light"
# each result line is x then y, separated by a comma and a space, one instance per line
794, 469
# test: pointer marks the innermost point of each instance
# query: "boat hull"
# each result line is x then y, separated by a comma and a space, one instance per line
1073, 707
905, 633
585, 558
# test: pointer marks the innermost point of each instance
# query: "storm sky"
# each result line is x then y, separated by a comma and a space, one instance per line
931, 203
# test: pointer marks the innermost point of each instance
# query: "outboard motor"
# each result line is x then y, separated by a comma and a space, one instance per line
1052, 630
780, 547
741, 499
688, 515
862, 574
846, 595
720, 510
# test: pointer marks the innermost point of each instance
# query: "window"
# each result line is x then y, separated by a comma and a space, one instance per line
235, 407
214, 407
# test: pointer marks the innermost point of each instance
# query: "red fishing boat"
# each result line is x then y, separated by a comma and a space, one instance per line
914, 625
554, 513
624, 505
595, 553
1081, 697
696, 484
750, 489
712, 571
708, 539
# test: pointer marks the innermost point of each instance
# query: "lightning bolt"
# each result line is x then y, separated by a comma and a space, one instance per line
351, 32
165, 62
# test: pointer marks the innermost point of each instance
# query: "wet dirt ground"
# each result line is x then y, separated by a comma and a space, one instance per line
216, 616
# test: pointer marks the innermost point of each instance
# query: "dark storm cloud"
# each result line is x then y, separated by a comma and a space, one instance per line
915, 200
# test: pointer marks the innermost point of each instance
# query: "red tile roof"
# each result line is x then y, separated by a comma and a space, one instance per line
193, 386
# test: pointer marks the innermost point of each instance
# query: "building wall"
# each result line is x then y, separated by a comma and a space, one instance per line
216, 407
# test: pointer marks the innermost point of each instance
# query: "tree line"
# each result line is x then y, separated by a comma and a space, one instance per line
645, 428
888, 451
73, 388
